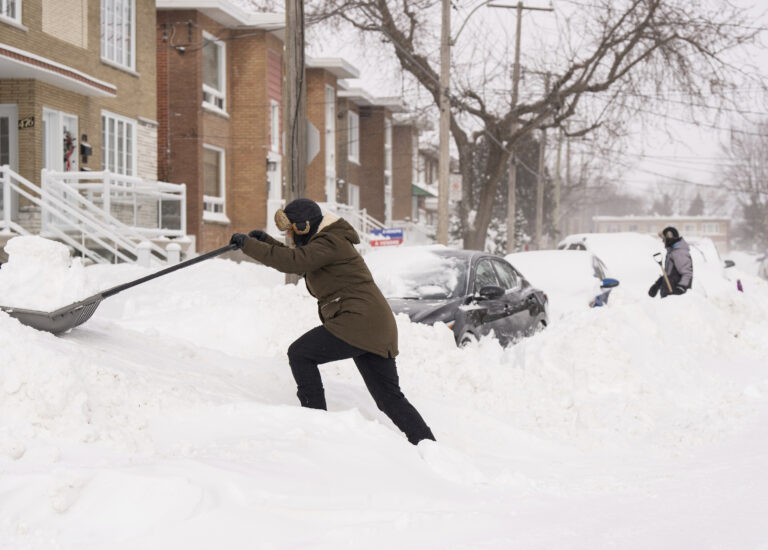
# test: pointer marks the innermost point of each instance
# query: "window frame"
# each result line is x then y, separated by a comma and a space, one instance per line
221, 55
353, 137
210, 201
105, 57
128, 122
16, 18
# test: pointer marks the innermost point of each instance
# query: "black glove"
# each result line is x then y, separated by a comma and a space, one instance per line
258, 234
654, 288
238, 239
679, 290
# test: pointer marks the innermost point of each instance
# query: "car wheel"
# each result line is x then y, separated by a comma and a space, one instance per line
467, 339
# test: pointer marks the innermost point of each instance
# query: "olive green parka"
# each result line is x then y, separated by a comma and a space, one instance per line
350, 305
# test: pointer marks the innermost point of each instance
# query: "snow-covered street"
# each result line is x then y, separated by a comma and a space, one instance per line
169, 420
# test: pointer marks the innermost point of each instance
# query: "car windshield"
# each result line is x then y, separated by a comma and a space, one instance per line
421, 276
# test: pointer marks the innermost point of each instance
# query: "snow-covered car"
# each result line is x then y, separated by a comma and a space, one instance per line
474, 293
573, 279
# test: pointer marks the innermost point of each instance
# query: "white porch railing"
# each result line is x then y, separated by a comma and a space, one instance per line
152, 209
91, 226
359, 219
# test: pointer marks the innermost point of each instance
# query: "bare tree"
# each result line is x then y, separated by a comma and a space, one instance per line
614, 60
747, 177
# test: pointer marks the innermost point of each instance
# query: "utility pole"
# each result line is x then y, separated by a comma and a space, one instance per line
512, 169
294, 108
295, 102
444, 161
540, 179
558, 232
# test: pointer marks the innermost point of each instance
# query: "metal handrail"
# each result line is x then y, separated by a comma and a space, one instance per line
129, 235
65, 212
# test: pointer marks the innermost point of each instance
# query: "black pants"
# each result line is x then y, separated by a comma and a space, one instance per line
379, 373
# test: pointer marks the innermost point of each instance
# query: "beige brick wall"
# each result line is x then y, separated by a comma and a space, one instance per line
47, 37
67, 20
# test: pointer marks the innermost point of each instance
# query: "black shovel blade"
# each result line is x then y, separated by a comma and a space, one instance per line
58, 321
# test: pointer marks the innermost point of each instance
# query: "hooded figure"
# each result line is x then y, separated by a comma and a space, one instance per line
357, 321
678, 265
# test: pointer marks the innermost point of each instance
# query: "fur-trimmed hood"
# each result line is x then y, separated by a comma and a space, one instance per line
339, 226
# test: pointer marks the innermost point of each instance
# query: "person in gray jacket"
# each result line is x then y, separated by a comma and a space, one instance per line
678, 265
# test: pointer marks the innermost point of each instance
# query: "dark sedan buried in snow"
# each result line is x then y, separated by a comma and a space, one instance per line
473, 293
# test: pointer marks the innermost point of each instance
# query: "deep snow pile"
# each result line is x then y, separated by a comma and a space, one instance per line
40, 275
171, 418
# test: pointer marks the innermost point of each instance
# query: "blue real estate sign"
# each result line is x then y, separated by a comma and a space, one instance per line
388, 236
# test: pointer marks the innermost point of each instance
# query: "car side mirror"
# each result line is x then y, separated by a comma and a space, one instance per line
729, 263
491, 292
609, 283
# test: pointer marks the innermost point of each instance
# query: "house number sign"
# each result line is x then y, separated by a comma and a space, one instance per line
27, 122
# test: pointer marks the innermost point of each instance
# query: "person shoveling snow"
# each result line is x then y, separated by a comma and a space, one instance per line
677, 272
357, 322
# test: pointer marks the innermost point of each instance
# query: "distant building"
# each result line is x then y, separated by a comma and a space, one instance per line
716, 228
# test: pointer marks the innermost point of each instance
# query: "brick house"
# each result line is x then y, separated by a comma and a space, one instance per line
425, 186
364, 163
405, 151
716, 228
323, 75
76, 73
219, 95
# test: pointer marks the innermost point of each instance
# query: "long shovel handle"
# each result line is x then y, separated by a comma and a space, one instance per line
119, 288
663, 272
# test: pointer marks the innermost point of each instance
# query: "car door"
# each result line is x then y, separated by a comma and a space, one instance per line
515, 298
493, 312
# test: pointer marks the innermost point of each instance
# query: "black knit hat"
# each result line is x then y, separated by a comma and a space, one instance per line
670, 235
303, 217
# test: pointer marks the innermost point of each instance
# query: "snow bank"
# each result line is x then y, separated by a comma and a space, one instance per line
40, 275
170, 419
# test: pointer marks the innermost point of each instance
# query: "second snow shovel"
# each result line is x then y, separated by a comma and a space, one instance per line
70, 316
657, 257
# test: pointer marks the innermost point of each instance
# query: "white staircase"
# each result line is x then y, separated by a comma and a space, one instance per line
103, 216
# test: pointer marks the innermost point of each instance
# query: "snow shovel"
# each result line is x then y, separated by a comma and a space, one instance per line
657, 257
70, 316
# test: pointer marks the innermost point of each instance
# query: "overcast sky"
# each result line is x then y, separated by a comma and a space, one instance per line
661, 149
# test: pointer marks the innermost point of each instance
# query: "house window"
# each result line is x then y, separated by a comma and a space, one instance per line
353, 131
689, 228
118, 29
118, 144
10, 9
214, 73
274, 126
214, 177
710, 228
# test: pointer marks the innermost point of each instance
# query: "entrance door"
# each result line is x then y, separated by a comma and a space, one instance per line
60, 141
9, 141
9, 147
